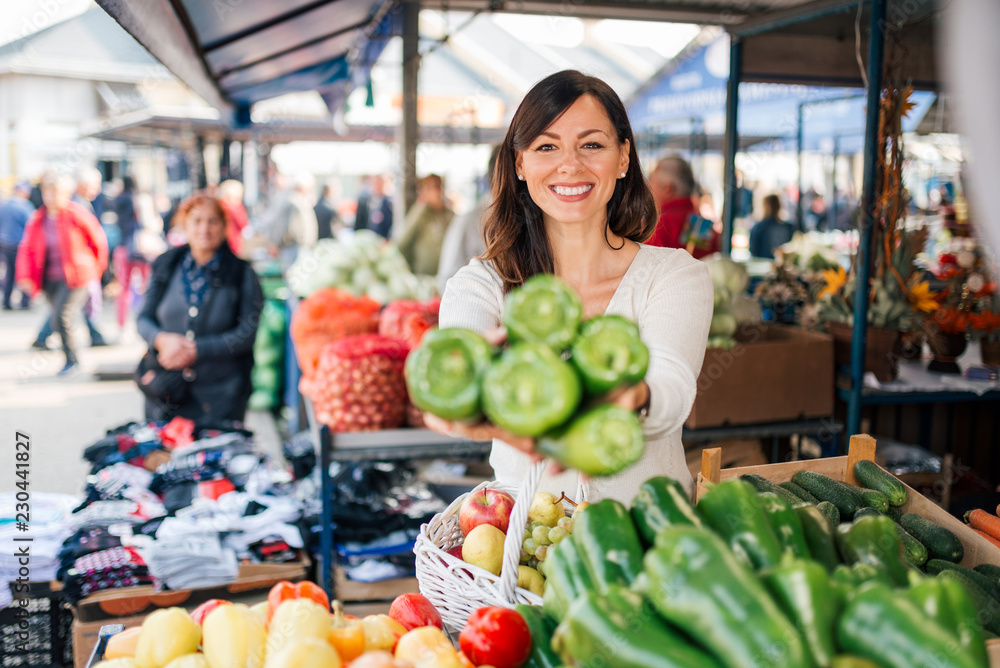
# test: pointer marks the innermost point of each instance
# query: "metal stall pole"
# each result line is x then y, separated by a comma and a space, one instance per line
876, 49
732, 141
411, 66
832, 221
800, 222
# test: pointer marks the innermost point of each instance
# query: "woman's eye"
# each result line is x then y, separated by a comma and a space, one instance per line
545, 148
593, 145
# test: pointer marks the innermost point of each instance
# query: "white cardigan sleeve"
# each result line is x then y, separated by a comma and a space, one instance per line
674, 323
473, 299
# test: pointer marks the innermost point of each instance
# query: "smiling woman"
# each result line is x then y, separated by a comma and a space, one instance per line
569, 199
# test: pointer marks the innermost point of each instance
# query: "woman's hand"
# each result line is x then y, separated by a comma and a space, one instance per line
175, 351
631, 397
481, 431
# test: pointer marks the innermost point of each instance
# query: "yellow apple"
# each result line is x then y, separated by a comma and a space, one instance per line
483, 547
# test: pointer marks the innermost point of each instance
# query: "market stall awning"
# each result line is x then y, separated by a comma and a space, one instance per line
237, 53
690, 98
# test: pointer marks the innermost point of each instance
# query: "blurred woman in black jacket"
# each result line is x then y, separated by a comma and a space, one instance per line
200, 316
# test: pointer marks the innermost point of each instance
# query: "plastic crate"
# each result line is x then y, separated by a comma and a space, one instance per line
47, 624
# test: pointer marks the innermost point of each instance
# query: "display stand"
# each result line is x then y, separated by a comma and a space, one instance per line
826, 430
385, 445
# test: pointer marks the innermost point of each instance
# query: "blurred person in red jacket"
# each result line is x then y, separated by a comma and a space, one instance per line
63, 250
231, 197
672, 184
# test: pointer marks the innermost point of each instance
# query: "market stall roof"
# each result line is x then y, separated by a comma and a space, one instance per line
689, 97
236, 53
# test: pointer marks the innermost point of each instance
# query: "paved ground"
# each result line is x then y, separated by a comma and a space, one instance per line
63, 416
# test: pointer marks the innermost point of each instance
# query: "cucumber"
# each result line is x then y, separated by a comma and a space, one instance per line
989, 609
799, 492
873, 476
762, 484
827, 489
913, 550
866, 512
848, 661
895, 512
830, 512
940, 543
937, 566
989, 570
874, 499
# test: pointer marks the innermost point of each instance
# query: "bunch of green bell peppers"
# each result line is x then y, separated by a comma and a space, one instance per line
547, 384
730, 584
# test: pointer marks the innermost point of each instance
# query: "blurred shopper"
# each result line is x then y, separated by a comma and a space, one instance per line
328, 222
672, 184
425, 226
62, 252
294, 226
375, 209
231, 198
88, 188
464, 239
199, 319
14, 215
771, 231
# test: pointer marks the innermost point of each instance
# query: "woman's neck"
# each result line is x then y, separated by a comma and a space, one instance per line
202, 257
580, 253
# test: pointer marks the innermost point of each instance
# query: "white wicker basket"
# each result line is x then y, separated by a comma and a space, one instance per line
457, 588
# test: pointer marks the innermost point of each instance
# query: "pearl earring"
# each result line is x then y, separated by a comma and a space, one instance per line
520, 177
623, 175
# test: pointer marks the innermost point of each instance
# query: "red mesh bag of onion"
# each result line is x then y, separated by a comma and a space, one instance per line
359, 384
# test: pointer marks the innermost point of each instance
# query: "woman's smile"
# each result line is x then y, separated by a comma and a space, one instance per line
572, 193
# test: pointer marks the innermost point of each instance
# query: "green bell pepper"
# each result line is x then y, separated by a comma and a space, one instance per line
785, 523
698, 585
889, 629
600, 442
848, 661
802, 590
660, 503
541, 628
819, 536
530, 390
566, 577
444, 374
543, 310
947, 603
733, 509
609, 353
609, 544
618, 628
874, 541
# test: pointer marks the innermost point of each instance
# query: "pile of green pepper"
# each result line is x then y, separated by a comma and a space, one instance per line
744, 581
548, 384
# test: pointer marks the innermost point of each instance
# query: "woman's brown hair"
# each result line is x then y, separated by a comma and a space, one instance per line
199, 198
514, 231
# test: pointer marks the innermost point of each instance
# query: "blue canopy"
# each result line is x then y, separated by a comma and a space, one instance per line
691, 98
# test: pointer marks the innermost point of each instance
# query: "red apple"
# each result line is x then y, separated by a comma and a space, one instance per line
456, 551
487, 506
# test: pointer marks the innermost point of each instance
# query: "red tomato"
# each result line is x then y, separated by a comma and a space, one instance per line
285, 590
414, 611
199, 613
496, 636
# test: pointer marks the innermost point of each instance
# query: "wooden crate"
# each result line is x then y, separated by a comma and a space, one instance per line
978, 550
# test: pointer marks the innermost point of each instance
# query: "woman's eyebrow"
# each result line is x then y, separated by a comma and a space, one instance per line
583, 134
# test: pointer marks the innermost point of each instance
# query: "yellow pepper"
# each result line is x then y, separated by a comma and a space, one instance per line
189, 661
346, 635
381, 632
233, 638
166, 634
260, 610
304, 653
124, 662
294, 619
428, 647
122, 645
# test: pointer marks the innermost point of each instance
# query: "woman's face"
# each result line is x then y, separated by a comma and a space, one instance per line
205, 228
571, 168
